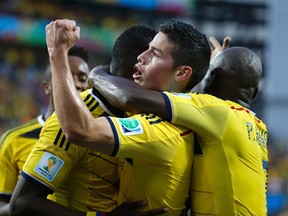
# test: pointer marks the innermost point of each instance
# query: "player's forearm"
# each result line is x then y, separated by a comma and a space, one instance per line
127, 95
77, 123
72, 113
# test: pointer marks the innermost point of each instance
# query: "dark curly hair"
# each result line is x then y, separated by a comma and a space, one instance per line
80, 52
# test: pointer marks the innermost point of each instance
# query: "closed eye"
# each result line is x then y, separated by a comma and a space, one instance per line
156, 51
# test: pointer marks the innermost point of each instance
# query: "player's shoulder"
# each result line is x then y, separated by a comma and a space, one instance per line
260, 123
23, 128
195, 98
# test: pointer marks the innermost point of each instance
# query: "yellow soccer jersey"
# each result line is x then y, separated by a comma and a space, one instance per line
162, 156
231, 159
82, 179
15, 146
125, 174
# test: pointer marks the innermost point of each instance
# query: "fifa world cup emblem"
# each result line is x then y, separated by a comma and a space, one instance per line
50, 163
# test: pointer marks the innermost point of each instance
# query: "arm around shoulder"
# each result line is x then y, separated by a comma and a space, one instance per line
126, 94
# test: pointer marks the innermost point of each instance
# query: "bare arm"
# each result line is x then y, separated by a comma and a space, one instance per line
74, 117
30, 200
127, 95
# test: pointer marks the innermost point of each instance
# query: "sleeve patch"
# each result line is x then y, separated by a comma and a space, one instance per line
130, 126
49, 166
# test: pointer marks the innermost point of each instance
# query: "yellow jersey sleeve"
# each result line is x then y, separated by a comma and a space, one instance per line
53, 157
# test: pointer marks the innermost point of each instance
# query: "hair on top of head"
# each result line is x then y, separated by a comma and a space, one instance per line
130, 43
79, 51
192, 48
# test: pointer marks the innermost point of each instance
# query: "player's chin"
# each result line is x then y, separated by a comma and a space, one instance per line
138, 81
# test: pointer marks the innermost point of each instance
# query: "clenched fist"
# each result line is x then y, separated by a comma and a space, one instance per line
61, 34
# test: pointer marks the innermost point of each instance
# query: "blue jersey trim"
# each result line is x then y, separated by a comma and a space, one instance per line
116, 139
5, 197
265, 164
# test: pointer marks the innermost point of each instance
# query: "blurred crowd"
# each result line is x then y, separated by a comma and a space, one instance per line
21, 87
23, 61
277, 197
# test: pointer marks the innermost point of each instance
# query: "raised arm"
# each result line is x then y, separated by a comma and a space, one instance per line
74, 117
126, 94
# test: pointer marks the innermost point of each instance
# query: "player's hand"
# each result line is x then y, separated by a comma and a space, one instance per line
61, 34
217, 47
132, 209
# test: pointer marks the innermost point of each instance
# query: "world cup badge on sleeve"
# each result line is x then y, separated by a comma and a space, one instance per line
130, 126
49, 166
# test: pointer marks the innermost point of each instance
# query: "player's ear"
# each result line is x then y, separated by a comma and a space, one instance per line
183, 73
47, 87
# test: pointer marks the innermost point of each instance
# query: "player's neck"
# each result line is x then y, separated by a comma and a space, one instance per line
49, 112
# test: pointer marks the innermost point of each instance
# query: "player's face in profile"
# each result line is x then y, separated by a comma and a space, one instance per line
154, 67
80, 70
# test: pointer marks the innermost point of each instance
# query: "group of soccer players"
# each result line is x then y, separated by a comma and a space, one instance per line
204, 153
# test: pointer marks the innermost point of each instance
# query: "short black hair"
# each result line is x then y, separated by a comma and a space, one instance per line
79, 51
191, 48
131, 43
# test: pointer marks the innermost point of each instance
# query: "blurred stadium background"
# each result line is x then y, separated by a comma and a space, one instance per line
257, 24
